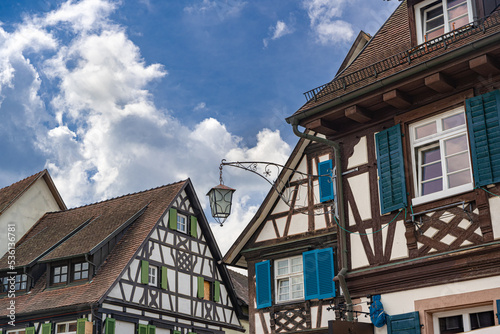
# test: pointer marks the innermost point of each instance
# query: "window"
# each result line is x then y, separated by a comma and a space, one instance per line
435, 18
289, 279
153, 275
66, 327
441, 159
458, 321
21, 283
60, 274
181, 223
17, 331
80, 271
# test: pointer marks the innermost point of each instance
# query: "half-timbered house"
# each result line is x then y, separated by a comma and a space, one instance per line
409, 134
143, 263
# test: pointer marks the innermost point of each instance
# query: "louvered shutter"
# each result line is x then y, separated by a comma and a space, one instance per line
326, 272
144, 272
390, 164
311, 289
151, 329
407, 323
201, 287
110, 326
30, 330
80, 325
164, 278
498, 310
47, 328
142, 329
216, 291
194, 227
325, 182
484, 133
263, 283
172, 219
176, 332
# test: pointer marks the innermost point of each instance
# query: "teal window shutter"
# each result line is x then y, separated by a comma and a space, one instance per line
325, 168
164, 278
172, 219
110, 326
483, 118
144, 272
263, 283
30, 330
142, 329
151, 329
319, 271
216, 291
80, 325
498, 310
390, 164
193, 228
47, 328
407, 323
201, 287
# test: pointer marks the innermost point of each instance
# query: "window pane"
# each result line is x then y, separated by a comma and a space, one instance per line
435, 12
297, 265
457, 162
78, 267
435, 23
455, 12
57, 270
85, 274
431, 171
432, 187
425, 130
85, 266
453, 3
72, 327
435, 33
56, 279
482, 319
432, 155
64, 269
64, 278
283, 267
77, 275
453, 121
451, 325
458, 179
460, 22
455, 145
61, 328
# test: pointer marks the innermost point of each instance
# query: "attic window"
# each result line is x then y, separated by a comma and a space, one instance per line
435, 18
60, 274
80, 271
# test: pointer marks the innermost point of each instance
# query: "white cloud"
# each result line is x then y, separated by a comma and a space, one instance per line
326, 23
217, 8
279, 30
200, 106
101, 132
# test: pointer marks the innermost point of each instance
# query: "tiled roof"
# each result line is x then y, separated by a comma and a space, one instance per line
104, 217
240, 284
390, 52
9, 194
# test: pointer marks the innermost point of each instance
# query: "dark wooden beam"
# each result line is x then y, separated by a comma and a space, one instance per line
322, 126
358, 114
397, 99
439, 83
484, 65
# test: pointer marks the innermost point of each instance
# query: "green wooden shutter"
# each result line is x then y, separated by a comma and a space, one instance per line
263, 284
390, 164
194, 227
144, 272
151, 329
201, 287
47, 328
164, 278
325, 182
216, 291
110, 326
80, 325
142, 329
407, 323
172, 219
176, 332
30, 330
483, 118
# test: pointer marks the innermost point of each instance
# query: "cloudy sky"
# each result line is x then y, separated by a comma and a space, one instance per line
114, 97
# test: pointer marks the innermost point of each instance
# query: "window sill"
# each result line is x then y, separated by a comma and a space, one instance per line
442, 194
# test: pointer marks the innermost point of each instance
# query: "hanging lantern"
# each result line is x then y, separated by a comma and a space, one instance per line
220, 198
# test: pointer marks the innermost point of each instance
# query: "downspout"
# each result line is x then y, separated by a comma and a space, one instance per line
340, 207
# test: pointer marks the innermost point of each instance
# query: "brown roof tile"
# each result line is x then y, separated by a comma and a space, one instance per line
240, 284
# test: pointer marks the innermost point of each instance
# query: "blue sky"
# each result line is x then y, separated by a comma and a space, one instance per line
114, 97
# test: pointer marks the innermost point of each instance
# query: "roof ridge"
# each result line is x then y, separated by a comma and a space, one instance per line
121, 197
26, 178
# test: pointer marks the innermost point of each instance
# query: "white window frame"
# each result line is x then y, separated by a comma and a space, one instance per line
67, 327
419, 17
153, 275
17, 331
182, 227
465, 316
287, 277
427, 141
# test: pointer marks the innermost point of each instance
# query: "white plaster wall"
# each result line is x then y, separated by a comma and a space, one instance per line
495, 216
267, 232
298, 224
399, 248
360, 155
123, 327
184, 305
160, 331
302, 167
280, 205
184, 286
358, 255
360, 187
404, 301
319, 222
26, 211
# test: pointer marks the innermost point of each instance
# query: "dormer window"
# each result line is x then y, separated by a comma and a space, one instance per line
80, 271
60, 275
435, 18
